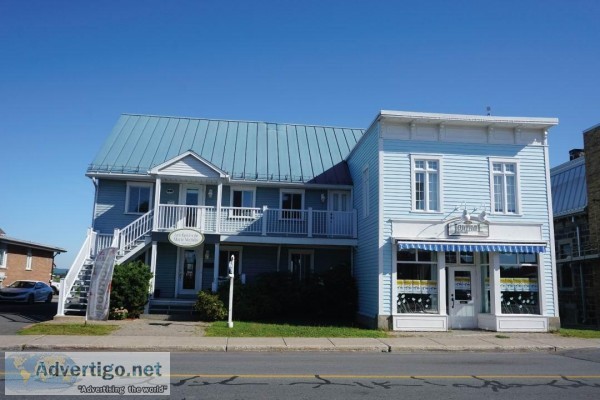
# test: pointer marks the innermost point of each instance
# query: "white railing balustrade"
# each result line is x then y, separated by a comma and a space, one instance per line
132, 233
257, 221
103, 241
241, 220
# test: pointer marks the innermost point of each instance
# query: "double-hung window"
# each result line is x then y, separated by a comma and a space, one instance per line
139, 197
504, 184
426, 190
292, 204
242, 202
2, 257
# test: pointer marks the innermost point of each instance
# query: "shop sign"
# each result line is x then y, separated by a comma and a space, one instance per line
186, 237
468, 229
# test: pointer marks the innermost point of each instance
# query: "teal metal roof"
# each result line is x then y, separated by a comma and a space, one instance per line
569, 188
254, 151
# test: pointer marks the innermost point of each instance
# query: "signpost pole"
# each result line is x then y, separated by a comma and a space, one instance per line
231, 273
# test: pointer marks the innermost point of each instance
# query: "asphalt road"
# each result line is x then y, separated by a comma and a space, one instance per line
573, 374
14, 316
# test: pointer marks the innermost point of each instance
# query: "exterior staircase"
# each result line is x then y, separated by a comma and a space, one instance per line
130, 242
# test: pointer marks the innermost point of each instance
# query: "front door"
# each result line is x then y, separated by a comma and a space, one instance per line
192, 196
190, 271
339, 222
461, 297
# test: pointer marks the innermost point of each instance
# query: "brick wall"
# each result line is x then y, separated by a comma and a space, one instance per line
16, 263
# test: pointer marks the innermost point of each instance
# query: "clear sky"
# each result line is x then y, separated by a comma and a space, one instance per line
69, 68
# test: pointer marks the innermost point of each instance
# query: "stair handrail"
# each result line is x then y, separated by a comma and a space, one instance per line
129, 235
84, 253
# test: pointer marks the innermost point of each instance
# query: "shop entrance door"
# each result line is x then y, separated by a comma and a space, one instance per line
461, 298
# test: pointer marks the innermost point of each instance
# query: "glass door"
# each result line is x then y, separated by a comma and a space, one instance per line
461, 298
190, 271
339, 222
191, 196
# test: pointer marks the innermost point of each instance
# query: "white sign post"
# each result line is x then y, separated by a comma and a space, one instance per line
231, 269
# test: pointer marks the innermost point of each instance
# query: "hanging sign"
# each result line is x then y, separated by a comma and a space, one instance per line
186, 237
470, 229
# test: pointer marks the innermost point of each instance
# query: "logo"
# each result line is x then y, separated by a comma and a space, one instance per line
186, 237
468, 229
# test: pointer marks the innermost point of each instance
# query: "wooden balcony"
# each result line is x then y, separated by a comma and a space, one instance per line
257, 221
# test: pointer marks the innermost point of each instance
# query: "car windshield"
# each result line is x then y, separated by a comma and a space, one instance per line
22, 285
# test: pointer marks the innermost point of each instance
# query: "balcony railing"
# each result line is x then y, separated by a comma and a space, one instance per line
258, 221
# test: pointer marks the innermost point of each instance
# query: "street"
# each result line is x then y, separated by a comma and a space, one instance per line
463, 375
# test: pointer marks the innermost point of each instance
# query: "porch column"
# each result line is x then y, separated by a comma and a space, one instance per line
495, 293
442, 289
219, 201
215, 284
156, 204
153, 268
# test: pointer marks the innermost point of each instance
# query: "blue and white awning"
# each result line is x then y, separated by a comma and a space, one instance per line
479, 247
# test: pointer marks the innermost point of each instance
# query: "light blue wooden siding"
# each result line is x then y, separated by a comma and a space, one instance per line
465, 170
257, 260
110, 206
169, 198
207, 276
166, 269
366, 260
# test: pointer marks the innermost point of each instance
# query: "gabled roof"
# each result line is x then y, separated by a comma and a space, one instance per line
569, 188
188, 163
245, 150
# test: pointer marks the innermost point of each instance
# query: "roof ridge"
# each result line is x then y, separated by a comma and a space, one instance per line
567, 165
237, 120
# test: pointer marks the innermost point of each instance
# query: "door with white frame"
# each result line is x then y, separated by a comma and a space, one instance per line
340, 220
462, 297
301, 265
192, 196
189, 279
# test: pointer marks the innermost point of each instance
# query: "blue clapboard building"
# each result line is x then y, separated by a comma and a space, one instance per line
444, 220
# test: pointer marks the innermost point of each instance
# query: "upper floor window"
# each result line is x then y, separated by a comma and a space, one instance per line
243, 201
504, 184
138, 198
29, 257
3, 258
426, 184
292, 204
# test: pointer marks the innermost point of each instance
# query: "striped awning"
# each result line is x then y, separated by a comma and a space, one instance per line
479, 247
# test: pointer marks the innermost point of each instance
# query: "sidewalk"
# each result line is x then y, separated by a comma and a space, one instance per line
397, 342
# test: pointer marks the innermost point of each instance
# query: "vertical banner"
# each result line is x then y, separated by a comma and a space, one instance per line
99, 292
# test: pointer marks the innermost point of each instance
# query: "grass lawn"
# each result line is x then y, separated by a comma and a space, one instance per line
580, 333
68, 329
259, 329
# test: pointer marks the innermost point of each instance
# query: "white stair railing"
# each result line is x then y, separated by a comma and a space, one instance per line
133, 232
67, 284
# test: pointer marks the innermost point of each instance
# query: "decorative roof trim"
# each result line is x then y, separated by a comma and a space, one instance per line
156, 170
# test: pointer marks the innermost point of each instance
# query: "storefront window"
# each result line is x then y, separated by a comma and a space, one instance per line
417, 282
461, 257
519, 283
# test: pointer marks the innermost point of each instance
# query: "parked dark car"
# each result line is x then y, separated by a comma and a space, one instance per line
27, 292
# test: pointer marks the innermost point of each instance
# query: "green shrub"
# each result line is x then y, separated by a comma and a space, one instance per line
129, 288
209, 307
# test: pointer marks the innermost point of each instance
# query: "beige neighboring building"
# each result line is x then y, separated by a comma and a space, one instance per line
24, 260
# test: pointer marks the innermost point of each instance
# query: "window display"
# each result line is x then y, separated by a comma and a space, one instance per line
417, 281
519, 283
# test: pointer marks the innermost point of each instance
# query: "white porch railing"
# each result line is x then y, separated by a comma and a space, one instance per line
103, 241
258, 221
86, 251
132, 233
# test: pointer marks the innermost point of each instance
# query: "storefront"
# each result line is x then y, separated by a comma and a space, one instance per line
473, 274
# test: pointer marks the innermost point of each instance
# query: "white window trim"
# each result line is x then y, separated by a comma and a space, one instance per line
366, 191
4, 252
302, 251
426, 157
281, 209
516, 162
29, 259
137, 184
232, 189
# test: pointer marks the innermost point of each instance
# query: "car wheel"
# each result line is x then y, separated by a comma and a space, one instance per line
30, 299
49, 298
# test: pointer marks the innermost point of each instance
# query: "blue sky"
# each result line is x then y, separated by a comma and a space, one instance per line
68, 69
